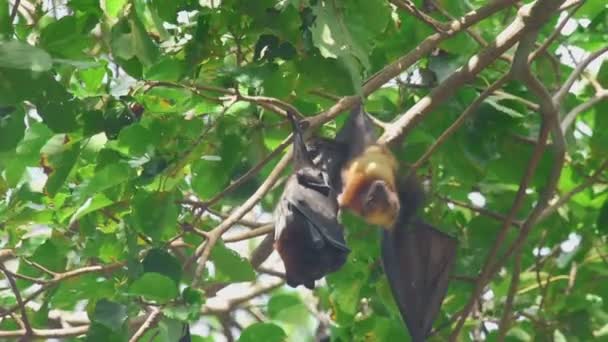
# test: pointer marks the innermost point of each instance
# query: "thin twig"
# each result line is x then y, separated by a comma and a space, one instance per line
580, 68
46, 333
153, 317
472, 108
411, 8
489, 213
505, 320
14, 11
26, 321
570, 117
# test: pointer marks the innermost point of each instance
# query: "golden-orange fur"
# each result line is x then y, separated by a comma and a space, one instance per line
375, 163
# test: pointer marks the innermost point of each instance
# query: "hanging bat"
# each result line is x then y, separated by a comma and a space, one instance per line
417, 260
308, 236
368, 183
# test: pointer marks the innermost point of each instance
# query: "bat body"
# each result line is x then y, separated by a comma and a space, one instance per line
308, 236
368, 184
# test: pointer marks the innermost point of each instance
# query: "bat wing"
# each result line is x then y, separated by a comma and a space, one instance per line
330, 156
321, 213
417, 260
357, 132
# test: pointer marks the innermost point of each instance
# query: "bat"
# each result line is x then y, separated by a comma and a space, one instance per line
308, 236
417, 260
368, 182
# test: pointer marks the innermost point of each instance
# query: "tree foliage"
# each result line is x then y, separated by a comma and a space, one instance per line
143, 145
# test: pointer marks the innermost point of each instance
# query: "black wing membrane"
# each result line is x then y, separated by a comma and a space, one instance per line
417, 260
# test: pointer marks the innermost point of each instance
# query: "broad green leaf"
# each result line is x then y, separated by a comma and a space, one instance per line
230, 266
58, 158
12, 127
154, 212
107, 177
262, 332
110, 314
159, 261
18, 55
90, 205
51, 255
67, 37
154, 286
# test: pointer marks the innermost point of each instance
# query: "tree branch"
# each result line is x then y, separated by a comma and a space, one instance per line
411, 8
505, 320
151, 321
204, 250
505, 40
532, 18
580, 68
403, 63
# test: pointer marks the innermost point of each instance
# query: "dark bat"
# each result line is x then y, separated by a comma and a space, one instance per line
368, 183
308, 236
417, 260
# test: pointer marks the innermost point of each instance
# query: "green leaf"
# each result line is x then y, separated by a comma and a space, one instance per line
230, 266
12, 127
110, 314
113, 7
154, 286
166, 69
58, 158
107, 177
51, 255
6, 27
67, 37
159, 261
262, 332
190, 310
153, 212
91, 204
17, 55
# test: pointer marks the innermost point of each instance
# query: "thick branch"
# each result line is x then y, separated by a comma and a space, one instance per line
403, 63
46, 333
505, 40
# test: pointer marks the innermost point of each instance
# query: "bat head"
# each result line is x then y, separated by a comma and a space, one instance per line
369, 187
380, 205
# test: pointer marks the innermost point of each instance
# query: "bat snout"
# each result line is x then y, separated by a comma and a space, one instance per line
381, 205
